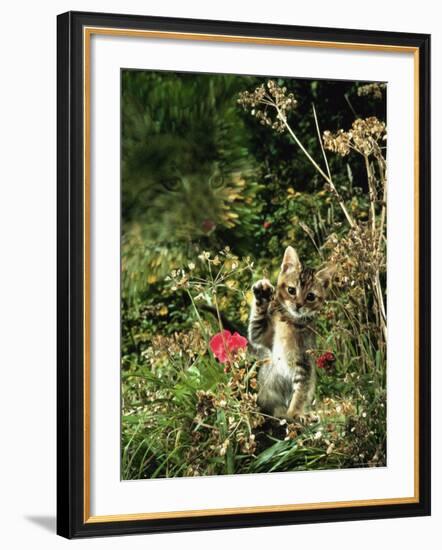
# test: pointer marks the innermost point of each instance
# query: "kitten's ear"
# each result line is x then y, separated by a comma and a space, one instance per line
326, 274
290, 262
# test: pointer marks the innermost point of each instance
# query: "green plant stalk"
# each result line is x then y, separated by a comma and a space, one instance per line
198, 316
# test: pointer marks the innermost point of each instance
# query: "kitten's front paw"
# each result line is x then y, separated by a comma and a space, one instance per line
302, 418
263, 291
296, 417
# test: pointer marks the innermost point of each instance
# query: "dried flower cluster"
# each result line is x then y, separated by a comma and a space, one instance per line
358, 434
238, 406
331, 407
184, 344
271, 95
220, 269
363, 137
360, 254
338, 142
357, 256
374, 89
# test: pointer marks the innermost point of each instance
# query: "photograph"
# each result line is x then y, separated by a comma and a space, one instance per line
253, 274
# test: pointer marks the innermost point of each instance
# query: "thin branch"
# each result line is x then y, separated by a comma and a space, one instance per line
320, 141
315, 164
351, 106
372, 193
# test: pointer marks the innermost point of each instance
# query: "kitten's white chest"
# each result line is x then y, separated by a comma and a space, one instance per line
283, 352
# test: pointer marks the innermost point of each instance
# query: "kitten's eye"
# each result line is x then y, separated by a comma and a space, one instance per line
291, 290
310, 297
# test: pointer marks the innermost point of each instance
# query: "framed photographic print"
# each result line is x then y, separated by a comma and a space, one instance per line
243, 301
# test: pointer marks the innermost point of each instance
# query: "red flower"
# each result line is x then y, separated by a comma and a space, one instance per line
267, 224
326, 360
225, 344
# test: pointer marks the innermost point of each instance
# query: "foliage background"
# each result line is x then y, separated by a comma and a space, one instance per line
200, 174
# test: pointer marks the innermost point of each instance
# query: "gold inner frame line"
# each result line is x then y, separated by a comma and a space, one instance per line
87, 34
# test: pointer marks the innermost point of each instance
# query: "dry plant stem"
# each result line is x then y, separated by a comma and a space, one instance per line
380, 300
376, 284
318, 168
383, 178
377, 233
318, 131
372, 194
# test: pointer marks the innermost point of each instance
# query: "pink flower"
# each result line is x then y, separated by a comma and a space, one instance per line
267, 224
224, 345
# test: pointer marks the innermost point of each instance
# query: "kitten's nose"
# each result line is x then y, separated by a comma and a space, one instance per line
298, 305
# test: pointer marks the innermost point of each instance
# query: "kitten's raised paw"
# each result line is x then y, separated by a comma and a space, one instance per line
263, 291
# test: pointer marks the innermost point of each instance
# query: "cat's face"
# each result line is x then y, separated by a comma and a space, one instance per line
302, 291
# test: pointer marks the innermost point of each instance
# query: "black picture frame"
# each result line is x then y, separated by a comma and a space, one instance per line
71, 519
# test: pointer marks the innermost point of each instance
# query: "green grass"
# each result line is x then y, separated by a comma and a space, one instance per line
183, 415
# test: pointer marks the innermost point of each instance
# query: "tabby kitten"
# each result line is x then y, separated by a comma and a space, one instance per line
281, 328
